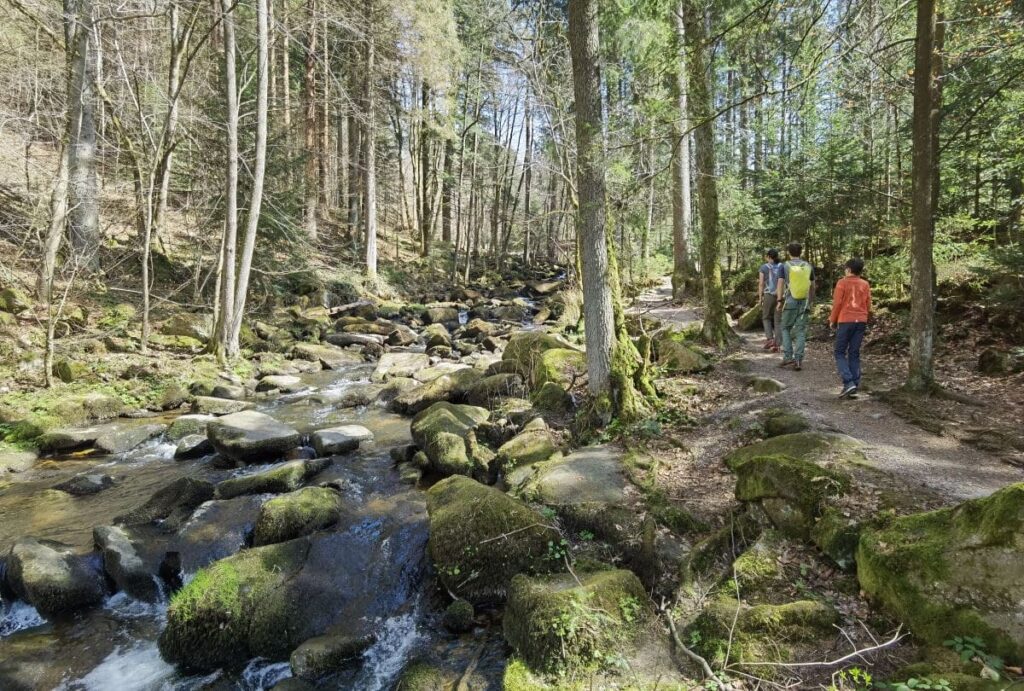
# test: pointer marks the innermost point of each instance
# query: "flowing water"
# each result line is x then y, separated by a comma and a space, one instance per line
113, 646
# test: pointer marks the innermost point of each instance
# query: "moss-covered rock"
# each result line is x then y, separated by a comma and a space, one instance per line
758, 567
171, 505
777, 422
558, 624
436, 335
749, 320
488, 391
69, 371
480, 538
13, 300
563, 366
673, 351
452, 386
296, 514
322, 655
762, 633
837, 535
51, 577
446, 434
827, 449
553, 398
953, 572
330, 357
458, 616
524, 348
529, 446
791, 491
286, 477
88, 407
195, 326
422, 676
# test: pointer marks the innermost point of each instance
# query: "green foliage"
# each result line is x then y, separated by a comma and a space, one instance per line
918, 684
972, 648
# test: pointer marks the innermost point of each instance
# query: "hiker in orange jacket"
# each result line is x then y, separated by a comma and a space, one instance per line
851, 305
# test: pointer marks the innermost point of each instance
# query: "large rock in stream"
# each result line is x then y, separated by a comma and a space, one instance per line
446, 432
953, 572
447, 387
296, 514
251, 437
284, 478
52, 578
480, 538
266, 601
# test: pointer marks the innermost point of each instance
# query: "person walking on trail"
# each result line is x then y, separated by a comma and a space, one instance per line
767, 279
851, 305
794, 294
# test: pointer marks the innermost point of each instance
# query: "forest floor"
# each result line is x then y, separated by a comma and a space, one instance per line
943, 465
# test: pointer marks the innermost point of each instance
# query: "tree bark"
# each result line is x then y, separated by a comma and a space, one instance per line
83, 202
716, 325
682, 270
921, 372
259, 170
370, 160
311, 194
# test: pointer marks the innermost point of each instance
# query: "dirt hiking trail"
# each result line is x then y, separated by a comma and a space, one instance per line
940, 463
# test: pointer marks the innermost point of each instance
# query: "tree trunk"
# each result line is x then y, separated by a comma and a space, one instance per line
225, 313
311, 195
597, 302
447, 190
83, 202
55, 228
716, 325
528, 181
682, 271
370, 161
256, 200
921, 373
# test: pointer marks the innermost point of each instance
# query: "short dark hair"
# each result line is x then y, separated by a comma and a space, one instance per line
794, 249
855, 265
772, 254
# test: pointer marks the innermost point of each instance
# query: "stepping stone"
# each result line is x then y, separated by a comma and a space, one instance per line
338, 440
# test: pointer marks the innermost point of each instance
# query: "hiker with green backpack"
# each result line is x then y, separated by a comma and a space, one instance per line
794, 294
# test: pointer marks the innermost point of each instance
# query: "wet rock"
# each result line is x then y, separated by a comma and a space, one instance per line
420, 675
490, 390
266, 601
69, 439
284, 478
480, 538
121, 438
84, 485
172, 505
393, 365
458, 617
251, 437
510, 313
446, 434
51, 577
123, 565
556, 624
185, 425
193, 446
395, 387
339, 440
765, 385
322, 655
452, 386
331, 357
281, 382
195, 326
210, 405
296, 514
953, 572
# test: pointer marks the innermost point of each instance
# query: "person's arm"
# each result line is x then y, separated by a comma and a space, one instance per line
810, 289
869, 305
780, 286
760, 282
837, 303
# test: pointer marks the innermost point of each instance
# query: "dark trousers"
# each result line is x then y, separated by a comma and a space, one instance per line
847, 351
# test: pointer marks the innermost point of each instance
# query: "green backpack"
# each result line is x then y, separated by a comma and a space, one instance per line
798, 279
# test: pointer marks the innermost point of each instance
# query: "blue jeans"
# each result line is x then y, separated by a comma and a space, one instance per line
795, 315
847, 350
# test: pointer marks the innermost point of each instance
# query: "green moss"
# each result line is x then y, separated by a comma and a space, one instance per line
421, 676
458, 616
445, 433
952, 572
758, 567
561, 366
553, 398
518, 677
810, 446
532, 446
559, 624
777, 422
837, 536
296, 514
480, 538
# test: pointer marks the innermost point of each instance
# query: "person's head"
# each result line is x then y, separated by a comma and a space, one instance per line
794, 249
772, 255
854, 267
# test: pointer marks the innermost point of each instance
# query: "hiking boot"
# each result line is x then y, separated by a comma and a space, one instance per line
849, 391
768, 345
787, 363
798, 365
776, 349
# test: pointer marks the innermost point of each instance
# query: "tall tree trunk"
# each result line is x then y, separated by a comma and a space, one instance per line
447, 190
527, 180
260, 166
55, 228
597, 303
682, 270
716, 325
423, 185
370, 159
309, 182
83, 201
225, 313
921, 373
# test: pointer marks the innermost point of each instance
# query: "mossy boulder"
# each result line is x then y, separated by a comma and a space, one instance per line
88, 407
251, 437
488, 391
13, 300
287, 477
440, 314
558, 624
828, 449
765, 385
422, 676
51, 577
563, 366
392, 365
953, 572
436, 335
69, 371
793, 492
837, 535
452, 386
186, 425
529, 446
673, 351
524, 349
749, 320
197, 326
322, 655
552, 398
296, 514
118, 438
446, 434
777, 422
759, 633
458, 616
758, 568
480, 538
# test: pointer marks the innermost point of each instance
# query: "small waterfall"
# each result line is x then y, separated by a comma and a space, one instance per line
384, 660
18, 616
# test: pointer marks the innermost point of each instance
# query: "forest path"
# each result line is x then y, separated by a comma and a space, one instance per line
940, 463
